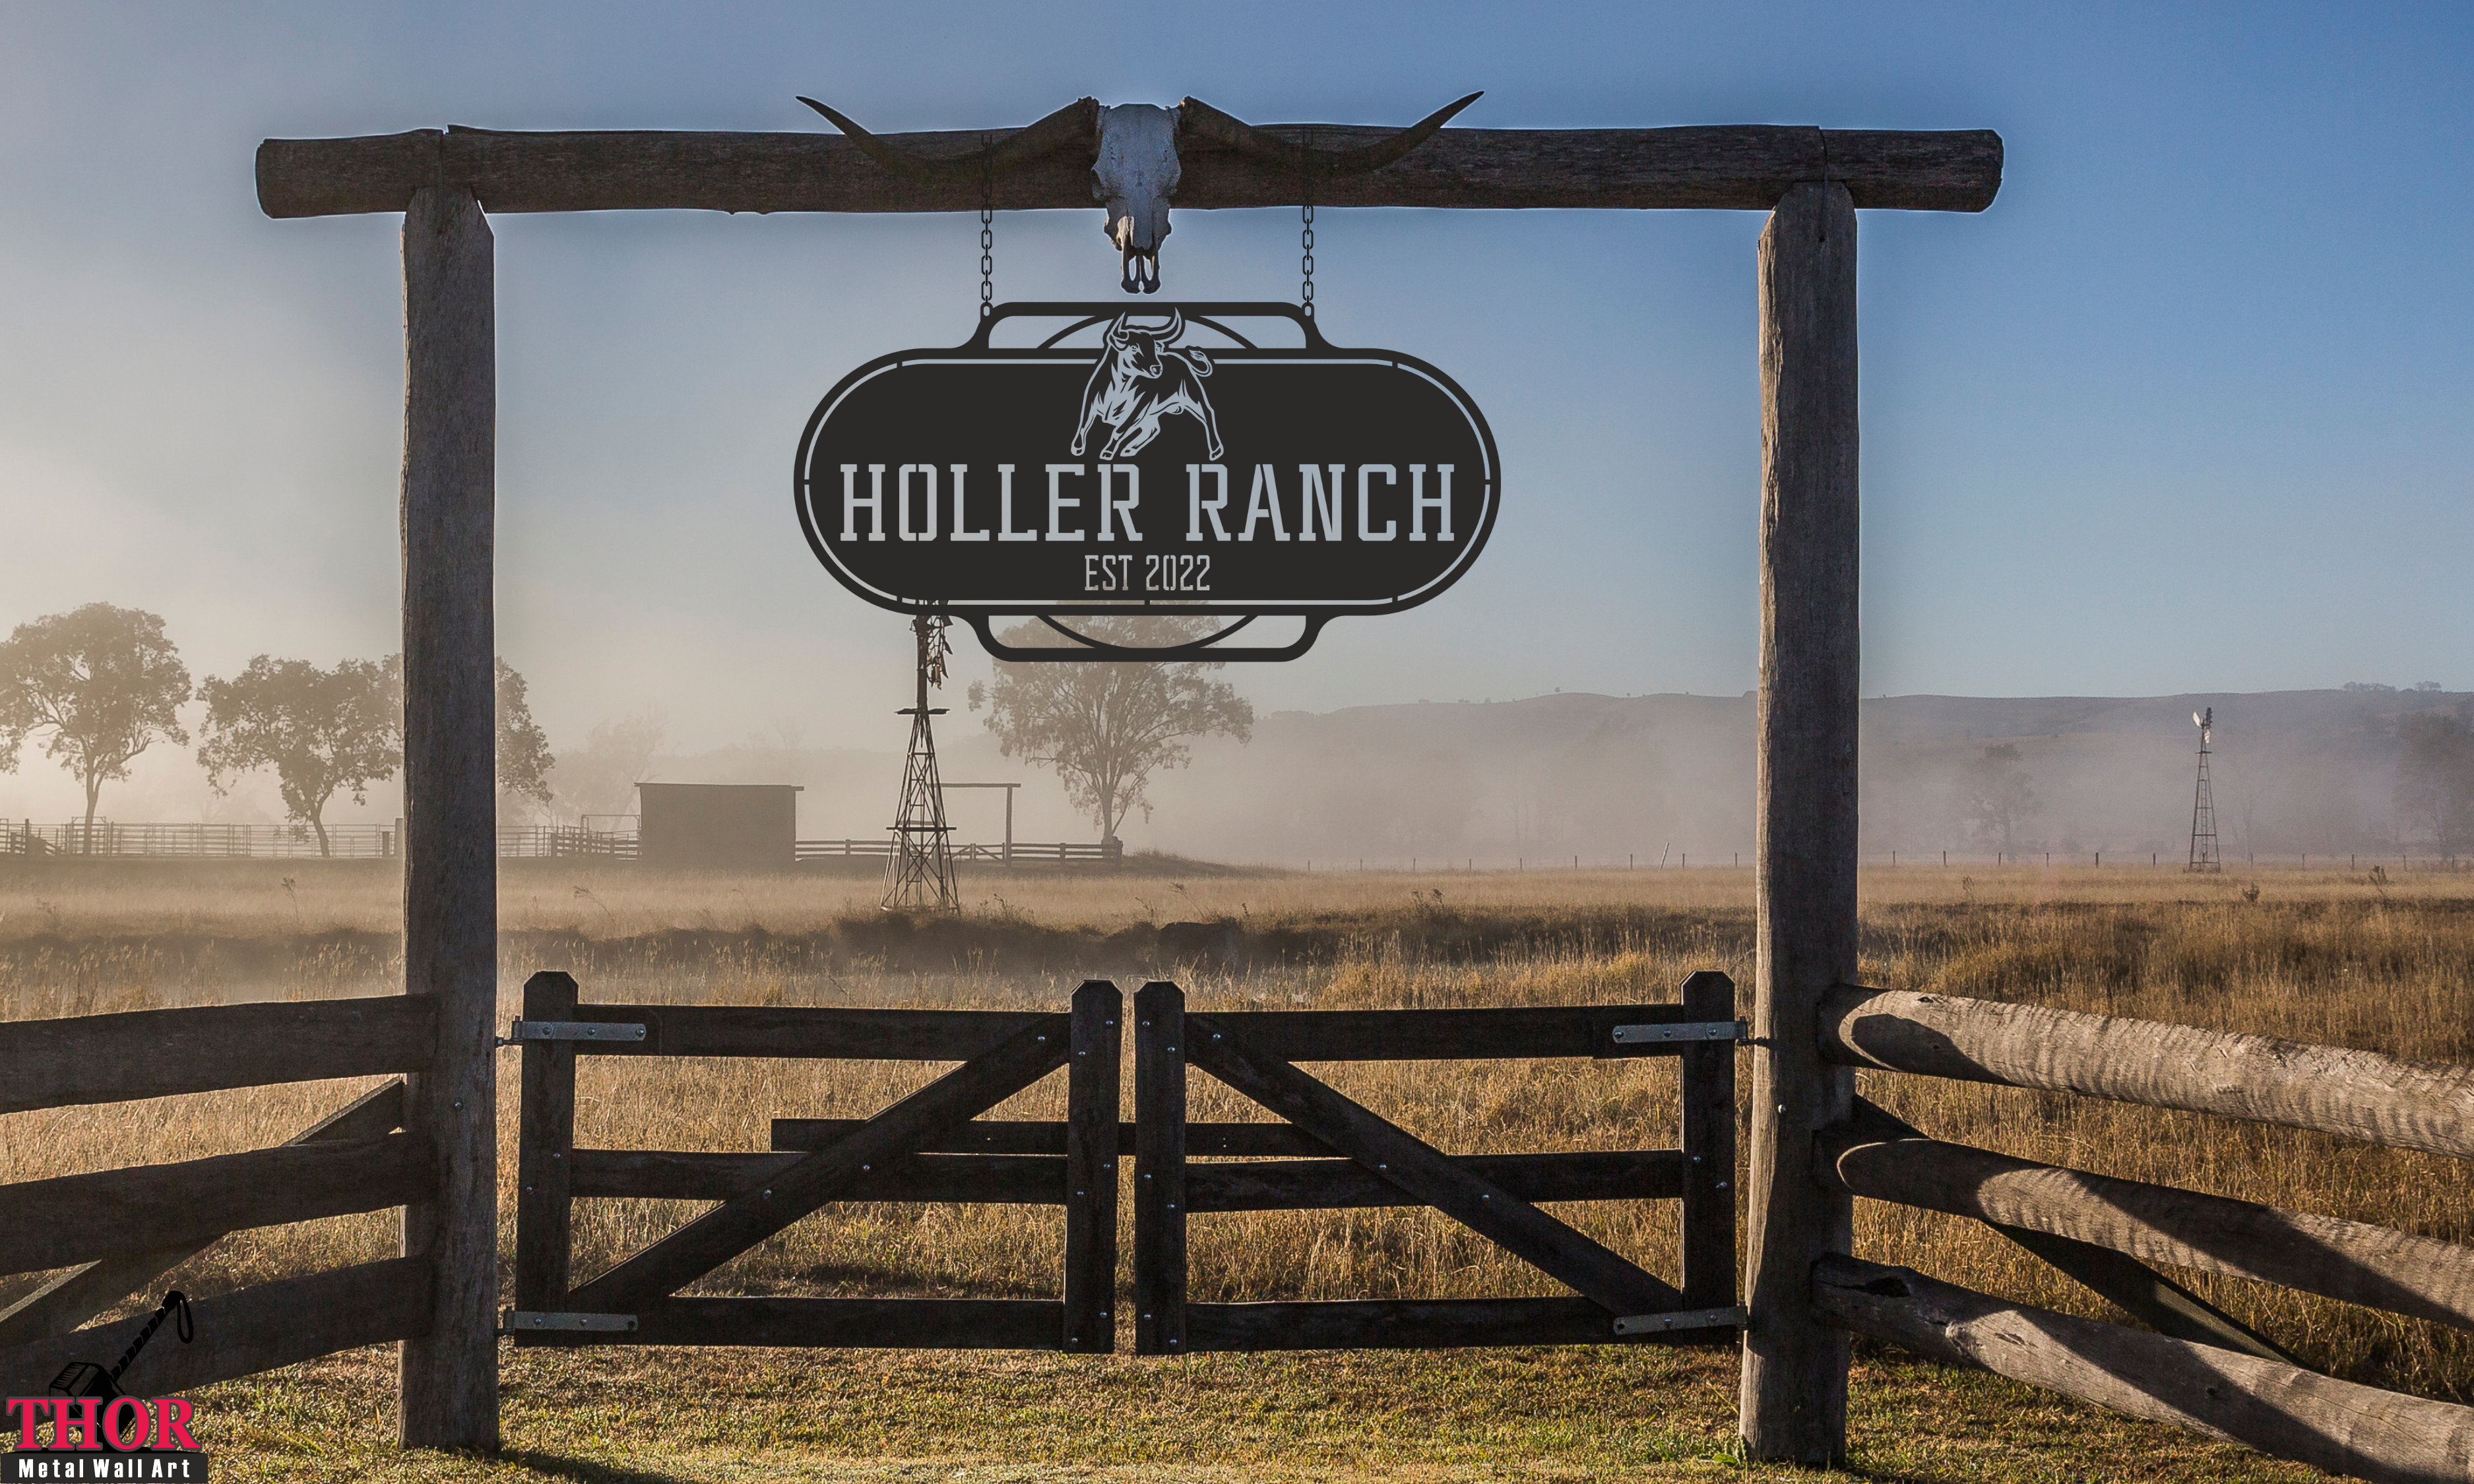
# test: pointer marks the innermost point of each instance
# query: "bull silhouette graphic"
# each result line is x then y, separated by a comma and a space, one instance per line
1140, 377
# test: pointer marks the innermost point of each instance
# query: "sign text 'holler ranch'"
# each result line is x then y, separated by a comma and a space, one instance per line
1166, 459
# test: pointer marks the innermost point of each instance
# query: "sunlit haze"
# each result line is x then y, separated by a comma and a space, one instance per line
2184, 412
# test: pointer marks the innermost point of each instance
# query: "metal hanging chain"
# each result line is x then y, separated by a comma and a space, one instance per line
1305, 237
987, 240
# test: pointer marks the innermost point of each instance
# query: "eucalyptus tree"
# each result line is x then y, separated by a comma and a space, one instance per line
321, 731
99, 684
1105, 726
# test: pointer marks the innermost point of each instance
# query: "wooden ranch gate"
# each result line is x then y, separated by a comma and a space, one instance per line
1327, 1153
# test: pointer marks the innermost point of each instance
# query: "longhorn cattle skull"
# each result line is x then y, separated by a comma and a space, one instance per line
1135, 169
1136, 174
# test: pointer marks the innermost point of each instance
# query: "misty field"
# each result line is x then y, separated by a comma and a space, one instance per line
2353, 960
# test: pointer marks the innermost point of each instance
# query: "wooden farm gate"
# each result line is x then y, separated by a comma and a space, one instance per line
113, 1232
1328, 1153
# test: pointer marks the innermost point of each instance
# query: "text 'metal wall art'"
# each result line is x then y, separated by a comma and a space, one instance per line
1179, 460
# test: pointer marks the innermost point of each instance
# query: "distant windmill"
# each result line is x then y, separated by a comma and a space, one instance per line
920, 876
2203, 803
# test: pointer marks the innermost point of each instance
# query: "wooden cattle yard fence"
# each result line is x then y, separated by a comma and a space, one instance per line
2199, 1369
117, 1231
1327, 1153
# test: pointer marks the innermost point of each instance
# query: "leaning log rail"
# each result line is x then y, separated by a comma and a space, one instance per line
117, 1231
1357, 1158
2200, 1369
2427, 1106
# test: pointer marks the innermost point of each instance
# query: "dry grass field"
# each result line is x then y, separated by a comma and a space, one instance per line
2353, 960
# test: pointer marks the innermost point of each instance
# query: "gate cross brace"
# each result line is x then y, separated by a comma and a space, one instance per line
1393, 1154
768, 1205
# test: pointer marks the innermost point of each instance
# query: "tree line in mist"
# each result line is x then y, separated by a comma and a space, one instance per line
97, 688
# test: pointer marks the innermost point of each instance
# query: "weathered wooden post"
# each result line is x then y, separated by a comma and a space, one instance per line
1794, 1366
449, 1376
1091, 1138
1159, 1169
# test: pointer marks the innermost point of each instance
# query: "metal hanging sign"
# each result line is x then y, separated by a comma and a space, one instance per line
1177, 463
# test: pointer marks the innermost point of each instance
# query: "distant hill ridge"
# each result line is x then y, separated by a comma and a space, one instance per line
1604, 776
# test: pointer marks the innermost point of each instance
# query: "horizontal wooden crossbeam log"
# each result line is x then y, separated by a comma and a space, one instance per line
813, 1180
803, 1030
156, 1053
898, 1324
2361, 1094
1727, 167
979, 1179
2349, 1260
1416, 1323
243, 1333
72, 1298
1214, 1043
2277, 1408
1335, 1185
996, 1135
71, 1218
1451, 1035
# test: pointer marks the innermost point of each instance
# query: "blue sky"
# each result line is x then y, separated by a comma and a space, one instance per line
2188, 409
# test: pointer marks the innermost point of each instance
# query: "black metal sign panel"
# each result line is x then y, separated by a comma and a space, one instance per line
1166, 460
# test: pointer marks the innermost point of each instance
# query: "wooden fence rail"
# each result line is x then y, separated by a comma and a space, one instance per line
70, 1299
240, 1333
2203, 1370
82, 1217
2427, 1106
816, 1033
2349, 1260
998, 1136
2280, 1409
123, 1228
1028, 852
872, 1324
156, 1053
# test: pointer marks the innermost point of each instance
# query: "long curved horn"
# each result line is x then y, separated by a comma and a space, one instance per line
1175, 326
1117, 332
1075, 123
1204, 122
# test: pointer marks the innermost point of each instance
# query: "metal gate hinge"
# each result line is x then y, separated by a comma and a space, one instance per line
522, 1031
1689, 1030
1683, 1319
516, 1321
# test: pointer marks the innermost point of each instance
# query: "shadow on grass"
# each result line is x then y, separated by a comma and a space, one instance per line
584, 1471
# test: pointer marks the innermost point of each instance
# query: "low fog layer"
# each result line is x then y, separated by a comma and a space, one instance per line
1604, 778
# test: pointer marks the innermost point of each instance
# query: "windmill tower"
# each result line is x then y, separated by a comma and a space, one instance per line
920, 876
2203, 803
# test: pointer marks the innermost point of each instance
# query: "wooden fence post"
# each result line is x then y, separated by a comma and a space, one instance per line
1794, 1402
1707, 1076
545, 1116
449, 1376
1091, 1170
1159, 1169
